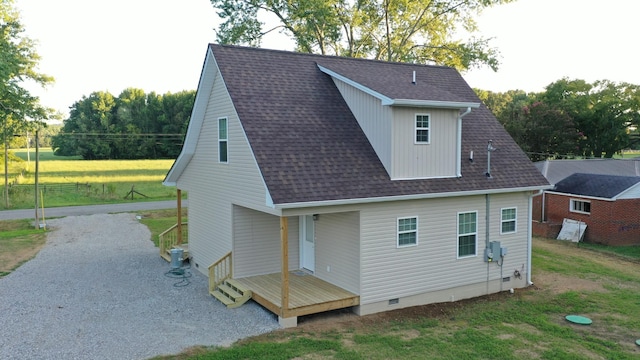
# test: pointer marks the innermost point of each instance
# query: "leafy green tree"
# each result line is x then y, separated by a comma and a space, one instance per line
134, 125
603, 112
394, 30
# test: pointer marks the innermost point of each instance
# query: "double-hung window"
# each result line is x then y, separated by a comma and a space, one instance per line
407, 231
423, 129
508, 221
223, 139
467, 233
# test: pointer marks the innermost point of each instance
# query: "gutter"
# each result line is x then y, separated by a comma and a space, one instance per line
299, 205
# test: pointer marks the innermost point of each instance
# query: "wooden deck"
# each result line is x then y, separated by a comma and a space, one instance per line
307, 294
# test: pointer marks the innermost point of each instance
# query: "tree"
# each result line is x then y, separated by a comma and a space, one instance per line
134, 125
18, 64
603, 112
418, 31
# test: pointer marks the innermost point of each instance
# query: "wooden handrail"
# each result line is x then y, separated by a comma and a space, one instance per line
169, 238
220, 271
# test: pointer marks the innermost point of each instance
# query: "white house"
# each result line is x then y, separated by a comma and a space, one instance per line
324, 182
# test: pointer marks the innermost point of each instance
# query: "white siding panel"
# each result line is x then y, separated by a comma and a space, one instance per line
337, 250
256, 249
436, 159
373, 118
213, 187
389, 272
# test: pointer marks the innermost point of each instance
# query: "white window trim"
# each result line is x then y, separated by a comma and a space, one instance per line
572, 207
223, 140
416, 128
515, 220
458, 234
398, 232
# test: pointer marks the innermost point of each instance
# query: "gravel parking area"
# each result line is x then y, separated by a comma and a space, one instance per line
98, 290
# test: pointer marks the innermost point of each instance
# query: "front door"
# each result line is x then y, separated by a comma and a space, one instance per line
307, 243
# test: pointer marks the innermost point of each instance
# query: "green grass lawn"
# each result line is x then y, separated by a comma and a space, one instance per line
86, 182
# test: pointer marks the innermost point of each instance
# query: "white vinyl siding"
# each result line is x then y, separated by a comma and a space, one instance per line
407, 232
467, 234
338, 249
433, 265
212, 187
414, 160
508, 220
373, 118
257, 242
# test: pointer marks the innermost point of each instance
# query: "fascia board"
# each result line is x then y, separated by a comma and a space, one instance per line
406, 197
195, 121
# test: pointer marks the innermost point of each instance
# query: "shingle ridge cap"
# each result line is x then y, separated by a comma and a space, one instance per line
329, 57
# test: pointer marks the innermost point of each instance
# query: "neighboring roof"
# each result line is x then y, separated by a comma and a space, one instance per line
310, 148
603, 186
556, 170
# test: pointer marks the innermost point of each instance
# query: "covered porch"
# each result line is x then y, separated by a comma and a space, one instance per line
291, 265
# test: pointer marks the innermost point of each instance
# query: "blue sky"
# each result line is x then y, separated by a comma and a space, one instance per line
159, 45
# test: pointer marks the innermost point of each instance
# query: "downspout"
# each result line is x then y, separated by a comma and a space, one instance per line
459, 142
487, 233
529, 235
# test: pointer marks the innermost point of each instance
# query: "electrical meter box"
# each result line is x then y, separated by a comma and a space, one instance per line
493, 252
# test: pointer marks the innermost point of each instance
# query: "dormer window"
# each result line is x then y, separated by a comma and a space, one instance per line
423, 133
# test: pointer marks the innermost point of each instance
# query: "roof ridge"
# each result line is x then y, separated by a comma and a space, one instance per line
330, 57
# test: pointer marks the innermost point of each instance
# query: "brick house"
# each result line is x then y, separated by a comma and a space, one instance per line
608, 204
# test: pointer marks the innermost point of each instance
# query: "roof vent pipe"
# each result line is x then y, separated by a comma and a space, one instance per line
414, 78
490, 149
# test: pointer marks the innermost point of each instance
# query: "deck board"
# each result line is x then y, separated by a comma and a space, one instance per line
307, 293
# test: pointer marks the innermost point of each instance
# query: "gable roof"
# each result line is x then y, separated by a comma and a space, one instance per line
310, 148
603, 186
556, 170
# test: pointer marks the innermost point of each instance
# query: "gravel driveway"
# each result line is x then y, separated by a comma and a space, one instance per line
98, 290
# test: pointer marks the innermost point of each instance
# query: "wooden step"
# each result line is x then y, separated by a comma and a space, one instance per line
222, 298
231, 293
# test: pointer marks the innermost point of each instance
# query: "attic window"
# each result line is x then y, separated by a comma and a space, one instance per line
223, 138
423, 133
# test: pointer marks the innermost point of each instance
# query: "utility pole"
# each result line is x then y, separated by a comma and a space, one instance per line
37, 220
6, 169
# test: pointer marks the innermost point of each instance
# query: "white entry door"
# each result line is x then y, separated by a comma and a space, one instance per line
307, 243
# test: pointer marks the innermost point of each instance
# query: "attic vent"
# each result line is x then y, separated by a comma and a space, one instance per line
394, 301
413, 81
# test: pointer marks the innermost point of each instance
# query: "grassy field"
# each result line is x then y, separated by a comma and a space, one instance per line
592, 281
67, 181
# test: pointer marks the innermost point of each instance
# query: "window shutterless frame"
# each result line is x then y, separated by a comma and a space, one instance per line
422, 133
407, 232
508, 222
580, 206
467, 234
223, 140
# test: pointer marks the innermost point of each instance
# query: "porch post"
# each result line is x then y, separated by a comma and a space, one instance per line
284, 243
179, 193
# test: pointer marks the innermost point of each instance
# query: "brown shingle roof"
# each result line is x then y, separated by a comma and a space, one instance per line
309, 147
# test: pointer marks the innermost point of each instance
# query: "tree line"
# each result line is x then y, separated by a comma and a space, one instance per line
570, 118
134, 125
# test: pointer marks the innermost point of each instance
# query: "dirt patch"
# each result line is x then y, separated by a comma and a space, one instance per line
19, 251
558, 283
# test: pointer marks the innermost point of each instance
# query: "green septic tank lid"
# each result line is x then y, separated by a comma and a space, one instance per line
577, 319
638, 342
